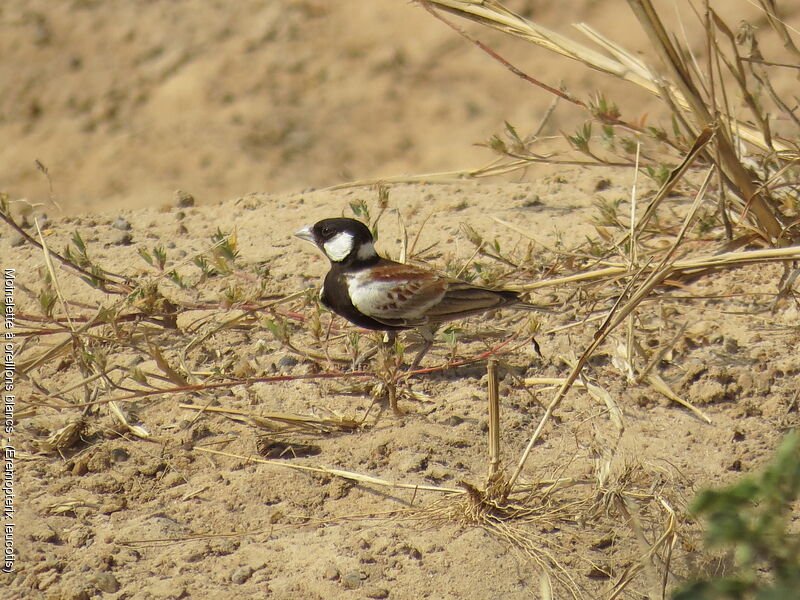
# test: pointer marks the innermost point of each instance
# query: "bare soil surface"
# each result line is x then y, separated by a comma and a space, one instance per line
119, 516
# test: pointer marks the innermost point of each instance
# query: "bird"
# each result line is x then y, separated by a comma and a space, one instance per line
380, 294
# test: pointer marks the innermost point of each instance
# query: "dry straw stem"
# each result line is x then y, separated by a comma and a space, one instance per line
656, 277
623, 65
679, 91
111, 286
281, 420
681, 78
357, 477
99, 318
650, 557
684, 267
493, 395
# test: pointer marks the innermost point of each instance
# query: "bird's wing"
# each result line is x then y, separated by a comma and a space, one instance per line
462, 299
395, 294
404, 295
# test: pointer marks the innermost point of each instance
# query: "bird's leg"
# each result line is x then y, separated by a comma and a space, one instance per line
426, 332
389, 343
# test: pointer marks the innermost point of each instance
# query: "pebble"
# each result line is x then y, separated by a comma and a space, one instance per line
113, 505
331, 573
41, 532
79, 537
241, 574
106, 582
123, 238
354, 579
183, 199
119, 455
122, 224
287, 362
373, 591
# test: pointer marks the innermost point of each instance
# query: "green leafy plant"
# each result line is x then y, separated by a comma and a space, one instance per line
751, 519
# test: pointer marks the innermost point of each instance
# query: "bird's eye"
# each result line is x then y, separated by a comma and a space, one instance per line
326, 231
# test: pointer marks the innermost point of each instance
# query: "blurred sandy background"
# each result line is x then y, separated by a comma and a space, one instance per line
124, 102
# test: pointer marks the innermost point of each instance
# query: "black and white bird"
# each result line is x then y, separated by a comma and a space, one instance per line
380, 294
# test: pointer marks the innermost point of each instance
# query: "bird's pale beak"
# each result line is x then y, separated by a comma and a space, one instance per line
306, 234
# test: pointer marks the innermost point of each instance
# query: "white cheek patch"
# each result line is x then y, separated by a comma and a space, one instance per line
339, 247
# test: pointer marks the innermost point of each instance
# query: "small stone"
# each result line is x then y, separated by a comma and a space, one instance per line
373, 591
287, 362
119, 455
42, 532
123, 238
602, 184
79, 537
121, 224
183, 199
106, 582
453, 420
172, 479
241, 575
113, 505
531, 201
80, 468
331, 573
354, 579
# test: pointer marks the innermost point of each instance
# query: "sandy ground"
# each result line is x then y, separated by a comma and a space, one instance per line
126, 102
160, 518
